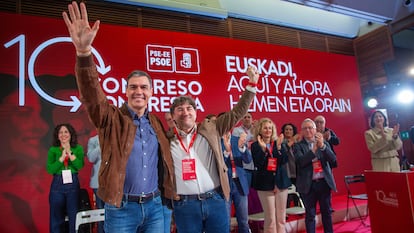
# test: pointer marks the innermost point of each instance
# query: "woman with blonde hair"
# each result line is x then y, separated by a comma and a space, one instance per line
272, 182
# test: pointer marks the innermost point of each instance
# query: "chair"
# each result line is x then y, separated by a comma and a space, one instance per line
89, 216
256, 222
297, 210
300, 208
352, 180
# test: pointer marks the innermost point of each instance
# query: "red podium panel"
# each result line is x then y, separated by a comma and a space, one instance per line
390, 201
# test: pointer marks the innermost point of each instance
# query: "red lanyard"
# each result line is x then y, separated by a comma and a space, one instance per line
66, 160
186, 149
233, 166
271, 148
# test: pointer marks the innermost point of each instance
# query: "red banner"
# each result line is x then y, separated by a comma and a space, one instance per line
294, 84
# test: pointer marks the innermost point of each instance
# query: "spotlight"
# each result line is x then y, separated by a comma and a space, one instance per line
406, 96
372, 102
407, 3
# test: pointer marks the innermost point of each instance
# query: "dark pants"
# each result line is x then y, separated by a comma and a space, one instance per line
320, 192
63, 200
99, 205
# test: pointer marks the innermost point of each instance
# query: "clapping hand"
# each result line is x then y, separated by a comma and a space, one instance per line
242, 140
327, 135
279, 141
261, 142
226, 141
319, 140
396, 130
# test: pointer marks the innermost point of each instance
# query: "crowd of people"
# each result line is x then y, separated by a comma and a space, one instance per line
193, 174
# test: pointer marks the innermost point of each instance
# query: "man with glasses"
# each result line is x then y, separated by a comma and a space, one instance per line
314, 181
328, 134
247, 128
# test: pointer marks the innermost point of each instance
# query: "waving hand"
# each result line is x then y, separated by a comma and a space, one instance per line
79, 29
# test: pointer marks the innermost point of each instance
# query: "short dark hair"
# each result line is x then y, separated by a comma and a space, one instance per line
372, 123
295, 129
211, 115
72, 131
139, 73
180, 100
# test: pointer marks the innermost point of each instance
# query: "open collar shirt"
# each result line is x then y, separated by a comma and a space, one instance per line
207, 177
141, 171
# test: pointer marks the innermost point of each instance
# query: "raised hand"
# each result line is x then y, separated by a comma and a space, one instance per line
279, 140
79, 29
253, 75
298, 137
226, 140
261, 142
242, 140
327, 135
319, 140
396, 130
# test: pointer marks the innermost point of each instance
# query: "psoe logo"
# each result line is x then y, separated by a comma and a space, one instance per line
170, 59
390, 200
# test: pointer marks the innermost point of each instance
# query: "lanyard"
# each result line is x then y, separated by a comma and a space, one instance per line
233, 166
271, 148
186, 149
66, 160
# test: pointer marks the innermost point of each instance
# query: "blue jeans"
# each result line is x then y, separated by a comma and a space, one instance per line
133, 217
240, 205
320, 192
99, 205
197, 216
63, 200
167, 219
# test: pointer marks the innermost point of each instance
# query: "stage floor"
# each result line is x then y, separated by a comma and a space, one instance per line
342, 223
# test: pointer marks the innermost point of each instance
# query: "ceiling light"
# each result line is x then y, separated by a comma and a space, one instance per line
372, 102
406, 96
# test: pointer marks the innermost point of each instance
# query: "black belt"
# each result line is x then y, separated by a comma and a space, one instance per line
201, 196
141, 198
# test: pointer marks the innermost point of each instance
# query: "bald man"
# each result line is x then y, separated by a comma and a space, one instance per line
328, 134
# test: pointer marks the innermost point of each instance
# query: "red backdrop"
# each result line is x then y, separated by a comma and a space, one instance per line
294, 84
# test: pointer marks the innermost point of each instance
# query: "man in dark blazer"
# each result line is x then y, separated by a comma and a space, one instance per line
314, 159
235, 151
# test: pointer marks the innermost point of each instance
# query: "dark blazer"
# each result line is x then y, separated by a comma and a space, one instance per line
239, 157
266, 180
334, 140
304, 157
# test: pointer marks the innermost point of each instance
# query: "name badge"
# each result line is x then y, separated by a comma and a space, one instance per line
188, 168
317, 166
67, 176
271, 164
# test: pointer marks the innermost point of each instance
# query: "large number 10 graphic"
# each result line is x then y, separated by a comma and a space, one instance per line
21, 41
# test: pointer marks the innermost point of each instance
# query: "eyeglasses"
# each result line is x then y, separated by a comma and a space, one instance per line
308, 128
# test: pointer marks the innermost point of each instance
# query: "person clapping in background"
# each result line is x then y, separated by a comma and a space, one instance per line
272, 181
383, 142
64, 160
